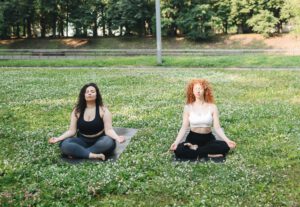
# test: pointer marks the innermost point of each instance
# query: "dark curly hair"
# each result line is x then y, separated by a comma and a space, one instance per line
81, 102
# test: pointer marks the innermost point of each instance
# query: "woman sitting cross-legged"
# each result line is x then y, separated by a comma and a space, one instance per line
200, 115
92, 122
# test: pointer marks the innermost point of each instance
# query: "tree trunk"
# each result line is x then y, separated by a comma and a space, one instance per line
226, 27
43, 27
150, 28
24, 27
95, 28
109, 29
127, 32
18, 30
144, 29
103, 30
279, 27
174, 31
29, 34
121, 32
61, 27
240, 29
54, 25
67, 20
103, 22
77, 31
85, 32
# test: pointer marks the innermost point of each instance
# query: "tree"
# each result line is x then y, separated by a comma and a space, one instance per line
81, 16
264, 23
170, 11
222, 10
291, 11
196, 21
241, 11
134, 14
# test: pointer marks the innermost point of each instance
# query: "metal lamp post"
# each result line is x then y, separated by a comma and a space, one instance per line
158, 31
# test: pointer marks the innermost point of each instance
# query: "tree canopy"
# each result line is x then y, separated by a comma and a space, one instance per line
195, 19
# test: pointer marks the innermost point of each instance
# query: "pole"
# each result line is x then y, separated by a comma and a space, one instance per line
158, 31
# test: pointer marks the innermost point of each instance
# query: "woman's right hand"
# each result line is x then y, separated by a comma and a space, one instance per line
121, 139
53, 140
173, 146
231, 144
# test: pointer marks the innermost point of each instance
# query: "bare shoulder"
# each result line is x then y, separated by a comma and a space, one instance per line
213, 106
103, 110
187, 108
75, 114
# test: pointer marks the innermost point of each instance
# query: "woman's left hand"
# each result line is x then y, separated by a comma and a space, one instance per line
231, 144
121, 139
53, 140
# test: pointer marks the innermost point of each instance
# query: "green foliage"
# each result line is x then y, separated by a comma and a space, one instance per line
81, 16
264, 23
221, 18
258, 109
196, 22
2, 21
134, 13
291, 11
170, 12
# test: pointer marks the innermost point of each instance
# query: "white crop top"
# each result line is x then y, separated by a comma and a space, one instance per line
200, 120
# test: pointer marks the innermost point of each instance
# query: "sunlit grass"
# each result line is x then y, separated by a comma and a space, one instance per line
259, 110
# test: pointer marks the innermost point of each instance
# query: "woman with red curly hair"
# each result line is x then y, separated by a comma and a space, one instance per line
200, 115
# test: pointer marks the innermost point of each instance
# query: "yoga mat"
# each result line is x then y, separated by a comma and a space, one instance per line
120, 147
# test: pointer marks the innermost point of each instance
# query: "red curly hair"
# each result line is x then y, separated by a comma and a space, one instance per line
208, 95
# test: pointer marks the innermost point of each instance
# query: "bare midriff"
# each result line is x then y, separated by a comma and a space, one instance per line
201, 130
93, 135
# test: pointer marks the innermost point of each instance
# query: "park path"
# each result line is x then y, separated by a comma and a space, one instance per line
148, 67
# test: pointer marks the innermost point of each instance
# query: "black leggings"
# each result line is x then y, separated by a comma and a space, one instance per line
207, 144
81, 147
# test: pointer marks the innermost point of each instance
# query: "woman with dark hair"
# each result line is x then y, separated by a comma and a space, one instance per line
92, 122
200, 115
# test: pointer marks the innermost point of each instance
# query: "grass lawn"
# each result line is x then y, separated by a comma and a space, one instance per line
258, 109
170, 61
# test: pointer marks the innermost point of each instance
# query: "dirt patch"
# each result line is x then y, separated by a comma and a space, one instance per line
284, 41
9, 42
74, 42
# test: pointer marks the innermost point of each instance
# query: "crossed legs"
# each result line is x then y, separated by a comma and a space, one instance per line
80, 147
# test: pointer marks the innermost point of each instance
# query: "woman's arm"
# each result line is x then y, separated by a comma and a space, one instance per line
218, 128
183, 129
69, 133
109, 131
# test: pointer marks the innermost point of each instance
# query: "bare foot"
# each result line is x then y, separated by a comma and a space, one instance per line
191, 146
97, 156
215, 155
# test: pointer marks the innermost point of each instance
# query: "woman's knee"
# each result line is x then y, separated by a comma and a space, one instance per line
66, 146
64, 143
108, 142
104, 145
223, 147
184, 152
179, 150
